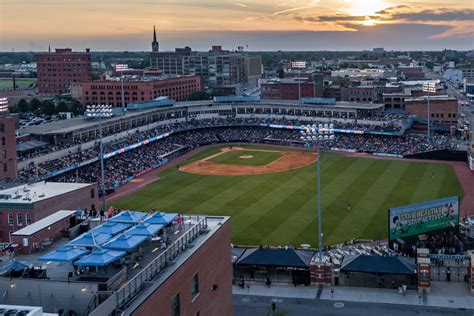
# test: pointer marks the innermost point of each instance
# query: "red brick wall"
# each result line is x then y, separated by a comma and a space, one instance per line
8, 167
56, 71
213, 264
109, 92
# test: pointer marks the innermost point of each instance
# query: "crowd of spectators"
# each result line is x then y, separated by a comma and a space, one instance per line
249, 132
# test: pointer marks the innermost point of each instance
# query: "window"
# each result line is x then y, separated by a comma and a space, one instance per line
5, 167
175, 306
10, 219
3, 141
19, 219
195, 286
92, 193
2, 128
28, 218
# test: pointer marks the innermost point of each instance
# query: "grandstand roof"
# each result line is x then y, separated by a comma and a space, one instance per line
378, 264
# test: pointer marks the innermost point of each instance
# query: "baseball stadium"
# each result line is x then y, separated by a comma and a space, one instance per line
248, 160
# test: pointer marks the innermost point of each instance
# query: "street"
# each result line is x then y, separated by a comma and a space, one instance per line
245, 305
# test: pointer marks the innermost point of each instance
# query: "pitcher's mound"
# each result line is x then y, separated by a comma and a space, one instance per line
246, 157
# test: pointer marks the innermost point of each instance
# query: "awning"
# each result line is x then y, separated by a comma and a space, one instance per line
161, 218
112, 228
64, 254
129, 217
100, 258
30, 145
125, 242
379, 264
145, 229
14, 265
287, 258
91, 239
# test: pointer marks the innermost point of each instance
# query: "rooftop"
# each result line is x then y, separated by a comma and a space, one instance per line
43, 223
122, 281
31, 193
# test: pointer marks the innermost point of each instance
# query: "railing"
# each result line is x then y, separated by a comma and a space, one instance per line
130, 289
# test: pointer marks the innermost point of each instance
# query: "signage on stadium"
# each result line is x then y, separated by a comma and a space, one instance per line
415, 219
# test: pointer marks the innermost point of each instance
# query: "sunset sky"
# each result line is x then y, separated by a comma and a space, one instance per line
260, 24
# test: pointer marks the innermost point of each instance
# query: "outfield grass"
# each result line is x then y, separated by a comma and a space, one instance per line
21, 83
259, 158
280, 208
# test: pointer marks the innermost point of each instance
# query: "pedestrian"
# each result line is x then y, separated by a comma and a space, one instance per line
273, 306
102, 214
349, 207
448, 274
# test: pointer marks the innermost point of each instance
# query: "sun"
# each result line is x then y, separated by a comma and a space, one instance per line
365, 7
369, 22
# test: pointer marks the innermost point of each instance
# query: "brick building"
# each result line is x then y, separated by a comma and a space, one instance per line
51, 228
359, 94
23, 205
201, 286
144, 89
444, 109
58, 70
289, 89
411, 72
8, 168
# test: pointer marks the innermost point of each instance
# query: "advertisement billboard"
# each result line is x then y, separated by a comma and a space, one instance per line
415, 219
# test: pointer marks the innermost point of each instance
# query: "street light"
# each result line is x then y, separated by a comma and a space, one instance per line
429, 87
315, 135
299, 65
121, 68
100, 112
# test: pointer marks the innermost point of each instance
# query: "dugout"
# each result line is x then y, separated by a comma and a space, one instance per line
378, 271
281, 265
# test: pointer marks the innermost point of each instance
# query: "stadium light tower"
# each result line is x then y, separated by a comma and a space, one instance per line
121, 68
3, 106
299, 65
315, 135
100, 112
429, 87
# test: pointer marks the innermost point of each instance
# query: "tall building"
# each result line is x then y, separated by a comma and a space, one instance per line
155, 46
443, 109
135, 90
8, 167
291, 88
58, 70
217, 67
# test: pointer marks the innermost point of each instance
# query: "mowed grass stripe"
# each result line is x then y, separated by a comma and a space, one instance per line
370, 200
280, 208
257, 223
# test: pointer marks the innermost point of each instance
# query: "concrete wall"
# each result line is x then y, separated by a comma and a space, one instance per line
51, 295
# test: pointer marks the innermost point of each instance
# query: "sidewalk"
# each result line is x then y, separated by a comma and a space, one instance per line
277, 290
448, 295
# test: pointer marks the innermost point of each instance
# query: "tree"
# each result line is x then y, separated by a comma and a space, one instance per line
48, 108
199, 95
35, 105
62, 107
76, 107
281, 73
23, 106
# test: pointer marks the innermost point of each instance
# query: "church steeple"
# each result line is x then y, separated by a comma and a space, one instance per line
155, 47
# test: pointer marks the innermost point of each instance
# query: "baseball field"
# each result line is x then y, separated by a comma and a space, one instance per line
271, 192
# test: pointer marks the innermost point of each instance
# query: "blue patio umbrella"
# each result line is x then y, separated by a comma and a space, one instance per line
90, 239
100, 258
64, 254
112, 228
161, 218
145, 229
14, 265
125, 242
129, 217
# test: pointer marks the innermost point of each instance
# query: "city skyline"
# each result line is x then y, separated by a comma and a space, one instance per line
302, 24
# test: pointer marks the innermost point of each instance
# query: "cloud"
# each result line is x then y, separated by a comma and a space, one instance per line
436, 15
240, 4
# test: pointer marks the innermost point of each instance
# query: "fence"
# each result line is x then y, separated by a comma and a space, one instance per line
127, 292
